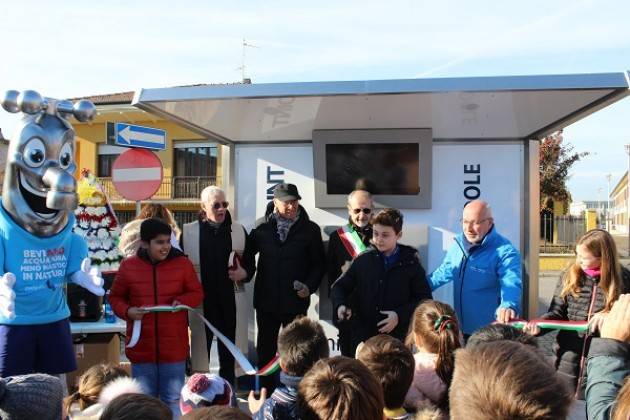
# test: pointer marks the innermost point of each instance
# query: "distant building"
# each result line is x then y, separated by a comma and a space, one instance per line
619, 205
578, 208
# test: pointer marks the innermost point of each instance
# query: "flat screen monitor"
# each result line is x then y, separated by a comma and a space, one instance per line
393, 164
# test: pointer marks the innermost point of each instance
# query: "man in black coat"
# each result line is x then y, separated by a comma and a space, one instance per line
291, 264
344, 245
388, 281
208, 243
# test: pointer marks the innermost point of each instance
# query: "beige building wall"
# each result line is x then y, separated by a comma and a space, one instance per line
619, 206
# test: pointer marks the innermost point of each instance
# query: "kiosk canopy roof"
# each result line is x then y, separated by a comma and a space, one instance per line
497, 108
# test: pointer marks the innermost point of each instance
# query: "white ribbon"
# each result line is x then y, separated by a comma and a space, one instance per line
236, 352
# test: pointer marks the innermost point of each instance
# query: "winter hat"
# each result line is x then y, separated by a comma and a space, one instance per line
28, 397
203, 390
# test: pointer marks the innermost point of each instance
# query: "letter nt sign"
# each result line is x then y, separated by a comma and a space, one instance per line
273, 178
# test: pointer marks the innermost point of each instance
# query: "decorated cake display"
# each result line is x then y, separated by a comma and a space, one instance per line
97, 224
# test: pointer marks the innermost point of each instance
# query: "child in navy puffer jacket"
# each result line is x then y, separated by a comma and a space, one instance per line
300, 345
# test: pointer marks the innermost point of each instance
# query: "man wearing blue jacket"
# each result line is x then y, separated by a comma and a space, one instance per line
486, 270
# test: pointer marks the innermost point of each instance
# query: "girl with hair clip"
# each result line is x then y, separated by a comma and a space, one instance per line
98, 385
434, 335
589, 286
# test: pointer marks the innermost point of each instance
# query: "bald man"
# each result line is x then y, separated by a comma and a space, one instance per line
486, 270
344, 245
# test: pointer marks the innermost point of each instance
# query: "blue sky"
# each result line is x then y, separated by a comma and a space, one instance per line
72, 48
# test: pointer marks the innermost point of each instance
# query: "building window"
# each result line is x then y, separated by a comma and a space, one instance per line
195, 160
105, 163
106, 156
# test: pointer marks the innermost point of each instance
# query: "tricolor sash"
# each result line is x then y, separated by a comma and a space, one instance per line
351, 240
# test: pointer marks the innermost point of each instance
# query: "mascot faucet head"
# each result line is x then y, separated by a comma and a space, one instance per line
39, 189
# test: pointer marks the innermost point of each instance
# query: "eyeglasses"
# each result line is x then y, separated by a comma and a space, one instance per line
218, 205
475, 223
365, 211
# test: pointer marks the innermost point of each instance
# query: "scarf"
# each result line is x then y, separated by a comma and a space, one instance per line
284, 225
592, 272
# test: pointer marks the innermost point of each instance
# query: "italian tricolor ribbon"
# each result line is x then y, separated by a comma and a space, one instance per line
240, 358
270, 368
552, 324
351, 240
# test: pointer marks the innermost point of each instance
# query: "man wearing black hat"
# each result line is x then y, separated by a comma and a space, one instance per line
290, 267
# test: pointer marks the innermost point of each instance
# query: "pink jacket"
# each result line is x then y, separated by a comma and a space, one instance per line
426, 384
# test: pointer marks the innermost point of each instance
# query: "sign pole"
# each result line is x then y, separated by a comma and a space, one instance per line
138, 207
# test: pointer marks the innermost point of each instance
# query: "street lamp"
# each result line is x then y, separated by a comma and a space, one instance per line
627, 147
599, 204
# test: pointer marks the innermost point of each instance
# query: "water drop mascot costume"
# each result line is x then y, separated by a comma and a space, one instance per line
39, 252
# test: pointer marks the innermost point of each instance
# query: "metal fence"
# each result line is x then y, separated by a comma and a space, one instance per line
559, 234
176, 187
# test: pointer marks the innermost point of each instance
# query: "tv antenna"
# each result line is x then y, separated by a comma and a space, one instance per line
242, 66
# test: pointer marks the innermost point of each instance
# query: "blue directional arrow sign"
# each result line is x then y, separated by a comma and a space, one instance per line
129, 135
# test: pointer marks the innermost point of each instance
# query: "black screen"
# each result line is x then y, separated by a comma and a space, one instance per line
383, 168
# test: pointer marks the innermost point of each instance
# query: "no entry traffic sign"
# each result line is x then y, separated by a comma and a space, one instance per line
137, 174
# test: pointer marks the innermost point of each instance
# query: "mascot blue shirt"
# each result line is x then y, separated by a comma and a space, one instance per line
41, 266
39, 252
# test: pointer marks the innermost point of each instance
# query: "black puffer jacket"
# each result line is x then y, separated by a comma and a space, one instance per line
398, 288
569, 344
300, 257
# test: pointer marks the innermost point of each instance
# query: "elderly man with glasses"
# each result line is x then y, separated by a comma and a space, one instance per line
486, 270
215, 245
344, 244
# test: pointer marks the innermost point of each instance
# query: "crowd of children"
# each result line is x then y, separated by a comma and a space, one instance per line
497, 373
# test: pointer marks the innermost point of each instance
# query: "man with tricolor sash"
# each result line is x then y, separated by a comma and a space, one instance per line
344, 244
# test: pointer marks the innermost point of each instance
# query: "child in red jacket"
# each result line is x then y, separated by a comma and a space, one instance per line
157, 275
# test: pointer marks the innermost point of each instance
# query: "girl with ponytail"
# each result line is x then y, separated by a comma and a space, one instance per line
88, 401
434, 336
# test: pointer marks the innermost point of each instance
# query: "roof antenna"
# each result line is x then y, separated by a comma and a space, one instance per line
242, 66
